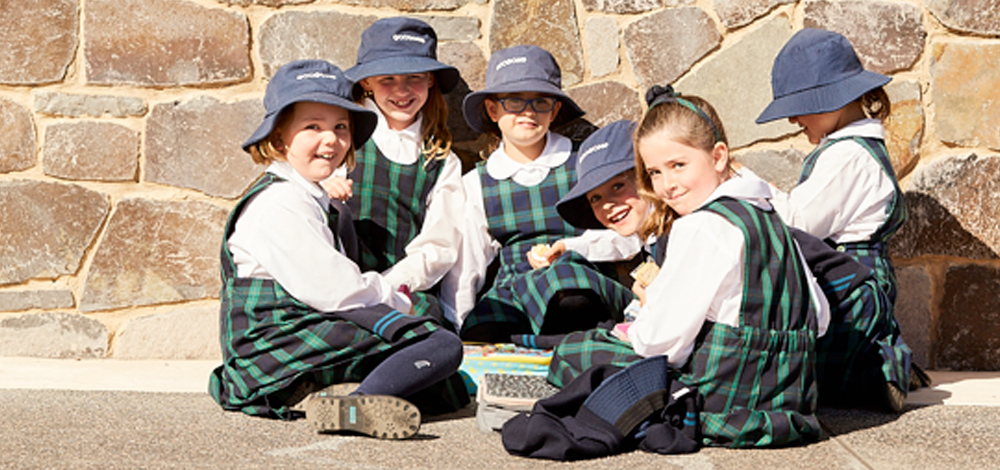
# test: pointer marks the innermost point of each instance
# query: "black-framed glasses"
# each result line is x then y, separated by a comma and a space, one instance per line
513, 104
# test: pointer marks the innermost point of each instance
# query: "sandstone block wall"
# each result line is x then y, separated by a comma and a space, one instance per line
122, 119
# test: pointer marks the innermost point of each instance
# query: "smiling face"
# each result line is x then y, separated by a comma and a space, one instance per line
525, 130
399, 97
617, 205
682, 176
315, 139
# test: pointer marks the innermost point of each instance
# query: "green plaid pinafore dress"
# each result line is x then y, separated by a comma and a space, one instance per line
272, 343
863, 346
520, 217
388, 208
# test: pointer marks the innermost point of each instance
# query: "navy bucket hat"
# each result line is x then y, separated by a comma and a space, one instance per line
400, 45
602, 156
817, 71
312, 80
520, 69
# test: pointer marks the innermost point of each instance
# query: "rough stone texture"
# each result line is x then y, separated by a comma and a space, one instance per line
17, 148
780, 167
182, 334
664, 45
15, 300
966, 85
627, 7
913, 312
954, 206
971, 16
453, 28
551, 24
101, 151
45, 228
888, 36
905, 126
471, 64
409, 5
605, 102
73, 105
739, 102
38, 39
602, 46
155, 252
736, 13
969, 327
164, 43
294, 35
266, 3
52, 335
196, 145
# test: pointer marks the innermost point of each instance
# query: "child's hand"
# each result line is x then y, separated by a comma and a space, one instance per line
541, 256
639, 289
338, 188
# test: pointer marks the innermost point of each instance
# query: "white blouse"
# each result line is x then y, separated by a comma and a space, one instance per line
702, 278
283, 235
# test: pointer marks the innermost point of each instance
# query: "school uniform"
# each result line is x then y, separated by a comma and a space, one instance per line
727, 301
404, 205
295, 309
848, 195
510, 208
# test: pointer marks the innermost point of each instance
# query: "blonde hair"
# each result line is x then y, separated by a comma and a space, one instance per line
264, 151
434, 130
876, 104
701, 130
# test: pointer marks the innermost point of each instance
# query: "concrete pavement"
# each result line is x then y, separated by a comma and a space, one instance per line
108, 414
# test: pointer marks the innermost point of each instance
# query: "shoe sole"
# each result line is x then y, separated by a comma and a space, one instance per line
379, 416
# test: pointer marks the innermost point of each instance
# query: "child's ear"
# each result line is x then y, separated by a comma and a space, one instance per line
492, 109
555, 110
720, 158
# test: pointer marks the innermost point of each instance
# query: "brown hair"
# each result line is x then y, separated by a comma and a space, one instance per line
687, 126
263, 152
434, 130
876, 104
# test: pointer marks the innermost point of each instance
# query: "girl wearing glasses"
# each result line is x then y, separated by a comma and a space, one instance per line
510, 279
410, 180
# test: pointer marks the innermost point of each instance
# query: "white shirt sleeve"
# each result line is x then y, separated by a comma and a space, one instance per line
478, 249
282, 235
604, 245
433, 251
701, 280
844, 198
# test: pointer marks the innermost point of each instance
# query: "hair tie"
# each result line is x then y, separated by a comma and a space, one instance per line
665, 94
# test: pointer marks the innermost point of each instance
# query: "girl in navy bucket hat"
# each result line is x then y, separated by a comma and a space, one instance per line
408, 183
297, 313
510, 222
847, 195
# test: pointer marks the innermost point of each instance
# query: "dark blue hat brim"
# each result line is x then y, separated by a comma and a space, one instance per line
473, 103
447, 76
574, 208
823, 99
363, 121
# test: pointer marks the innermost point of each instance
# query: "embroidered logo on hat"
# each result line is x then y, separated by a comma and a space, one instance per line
305, 76
511, 61
407, 37
596, 148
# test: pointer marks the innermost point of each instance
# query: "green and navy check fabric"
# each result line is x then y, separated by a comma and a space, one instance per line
272, 342
581, 350
864, 335
758, 378
389, 205
519, 218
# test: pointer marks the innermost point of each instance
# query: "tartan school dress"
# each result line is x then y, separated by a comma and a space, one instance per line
757, 380
520, 217
389, 210
863, 347
273, 343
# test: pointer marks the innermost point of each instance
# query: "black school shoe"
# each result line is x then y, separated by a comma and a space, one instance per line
379, 416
